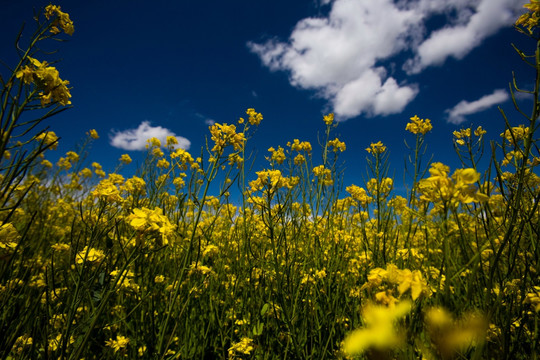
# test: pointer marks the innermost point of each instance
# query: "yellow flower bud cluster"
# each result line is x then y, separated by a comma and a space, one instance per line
224, 135
47, 81
272, 180
359, 194
337, 145
255, 118
324, 175
146, 220
61, 20
531, 18
458, 188
376, 148
419, 126
277, 155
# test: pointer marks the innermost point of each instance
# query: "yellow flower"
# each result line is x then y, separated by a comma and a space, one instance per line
277, 155
244, 346
255, 118
171, 141
163, 163
358, 194
89, 255
8, 237
530, 19
125, 158
380, 331
107, 190
419, 126
48, 138
337, 145
450, 336
146, 220
376, 148
47, 81
299, 159
93, 134
120, 343
62, 20
324, 175
328, 119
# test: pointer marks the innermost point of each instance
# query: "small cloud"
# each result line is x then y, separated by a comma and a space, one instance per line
135, 139
456, 115
254, 94
208, 121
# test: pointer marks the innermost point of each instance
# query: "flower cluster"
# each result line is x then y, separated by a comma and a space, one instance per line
457, 188
419, 126
60, 19
531, 18
47, 81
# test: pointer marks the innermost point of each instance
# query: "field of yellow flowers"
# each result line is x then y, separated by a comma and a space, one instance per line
94, 265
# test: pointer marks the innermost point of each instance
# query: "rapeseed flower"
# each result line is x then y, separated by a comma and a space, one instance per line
125, 158
328, 119
120, 343
531, 18
450, 336
48, 138
324, 175
376, 148
93, 134
359, 194
337, 145
146, 220
380, 331
47, 81
255, 118
9, 237
61, 19
244, 346
89, 255
419, 126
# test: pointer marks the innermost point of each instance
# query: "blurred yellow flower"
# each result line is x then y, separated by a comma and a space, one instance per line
328, 119
93, 134
125, 158
380, 331
120, 343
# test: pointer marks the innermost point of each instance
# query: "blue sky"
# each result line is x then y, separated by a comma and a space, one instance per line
158, 68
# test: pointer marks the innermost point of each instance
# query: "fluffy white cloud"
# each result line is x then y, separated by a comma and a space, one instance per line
369, 95
457, 41
135, 139
340, 55
456, 115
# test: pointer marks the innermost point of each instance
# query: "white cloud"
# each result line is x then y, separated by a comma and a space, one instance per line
369, 95
457, 41
340, 55
456, 115
135, 139
208, 121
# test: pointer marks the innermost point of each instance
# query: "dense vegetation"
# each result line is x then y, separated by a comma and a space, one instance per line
98, 266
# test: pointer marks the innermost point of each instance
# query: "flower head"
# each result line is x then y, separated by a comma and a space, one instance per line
60, 20
419, 126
